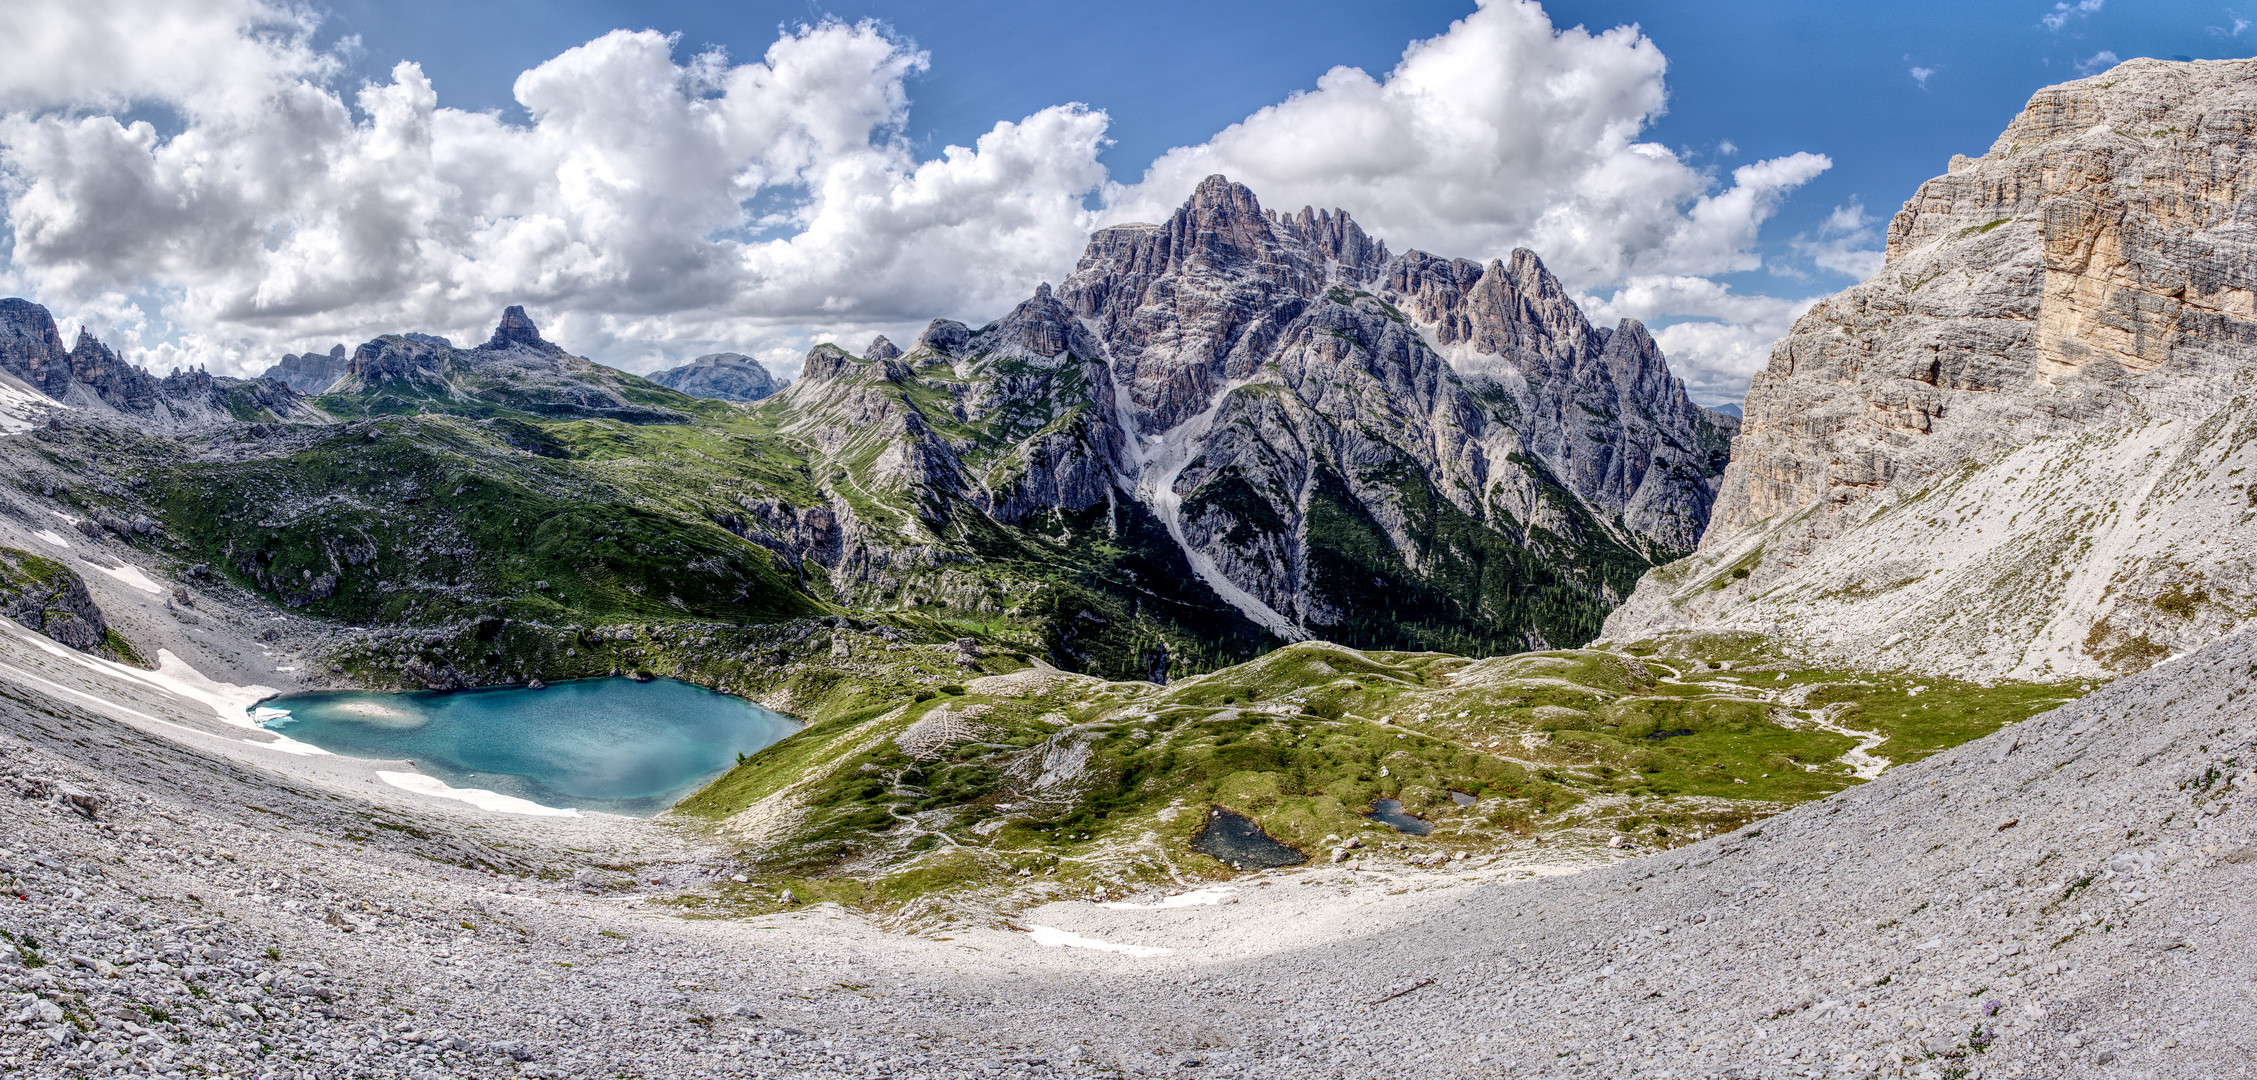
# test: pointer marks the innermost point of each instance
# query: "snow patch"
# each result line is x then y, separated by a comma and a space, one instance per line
492, 801
173, 677
131, 575
53, 538
1056, 938
22, 408
1189, 899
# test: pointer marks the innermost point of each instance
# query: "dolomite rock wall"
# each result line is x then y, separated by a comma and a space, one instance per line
2026, 447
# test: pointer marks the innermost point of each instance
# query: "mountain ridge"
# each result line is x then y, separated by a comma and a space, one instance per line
2044, 399
1232, 371
1223, 431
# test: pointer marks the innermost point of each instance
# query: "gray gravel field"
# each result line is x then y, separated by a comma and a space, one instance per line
2069, 897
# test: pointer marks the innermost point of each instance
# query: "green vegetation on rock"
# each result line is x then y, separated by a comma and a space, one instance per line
1039, 782
49, 597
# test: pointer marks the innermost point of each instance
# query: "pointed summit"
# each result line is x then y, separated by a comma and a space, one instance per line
1044, 327
944, 336
517, 328
880, 349
1220, 195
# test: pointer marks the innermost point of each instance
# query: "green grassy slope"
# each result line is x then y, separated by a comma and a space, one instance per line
1090, 784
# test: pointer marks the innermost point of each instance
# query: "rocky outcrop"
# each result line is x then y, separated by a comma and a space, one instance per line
49, 597
91, 376
31, 349
1420, 398
516, 328
945, 336
309, 373
723, 376
2024, 448
517, 370
1386, 450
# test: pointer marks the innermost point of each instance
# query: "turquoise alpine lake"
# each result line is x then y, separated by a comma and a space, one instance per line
614, 745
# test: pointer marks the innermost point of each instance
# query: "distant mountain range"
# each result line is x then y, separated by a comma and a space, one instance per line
38, 373
1222, 431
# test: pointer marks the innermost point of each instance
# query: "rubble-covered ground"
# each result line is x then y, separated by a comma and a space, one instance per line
2067, 897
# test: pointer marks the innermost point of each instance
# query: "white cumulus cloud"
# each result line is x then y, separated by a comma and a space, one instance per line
1846, 242
655, 205
1502, 131
2066, 10
2098, 62
1716, 339
621, 212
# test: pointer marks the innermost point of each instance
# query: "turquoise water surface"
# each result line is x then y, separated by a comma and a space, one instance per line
596, 744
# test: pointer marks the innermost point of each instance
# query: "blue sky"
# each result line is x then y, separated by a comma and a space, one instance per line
299, 186
1765, 77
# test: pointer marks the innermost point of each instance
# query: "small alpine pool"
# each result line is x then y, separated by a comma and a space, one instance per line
1391, 812
614, 745
1240, 841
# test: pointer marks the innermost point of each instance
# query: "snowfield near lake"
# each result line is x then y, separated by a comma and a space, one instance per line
479, 797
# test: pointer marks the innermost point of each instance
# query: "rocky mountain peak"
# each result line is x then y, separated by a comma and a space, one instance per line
1218, 198
1338, 238
1222, 225
723, 376
881, 349
516, 328
1041, 327
31, 348
824, 361
310, 372
1191, 305
945, 336
2054, 366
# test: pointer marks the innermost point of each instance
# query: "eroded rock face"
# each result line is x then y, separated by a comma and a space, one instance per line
311, 372
1343, 443
89, 375
2021, 448
516, 328
32, 349
49, 597
723, 376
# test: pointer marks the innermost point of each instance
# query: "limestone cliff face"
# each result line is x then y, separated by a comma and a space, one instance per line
89, 375
2024, 447
724, 376
310, 372
1385, 450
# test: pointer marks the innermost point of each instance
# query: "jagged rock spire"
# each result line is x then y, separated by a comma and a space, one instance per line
516, 328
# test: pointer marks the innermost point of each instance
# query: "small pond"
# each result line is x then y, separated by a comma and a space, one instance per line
1463, 798
1239, 840
614, 745
1391, 812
